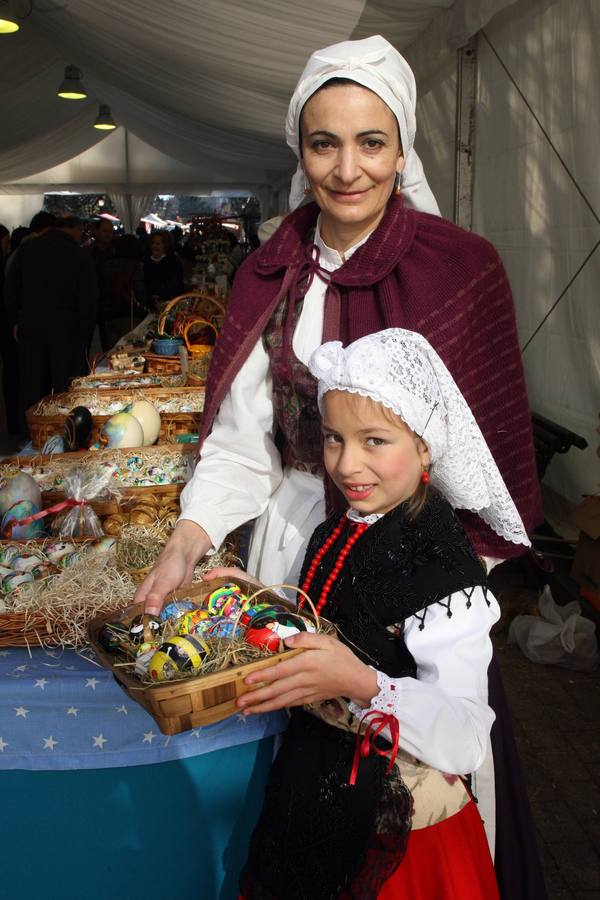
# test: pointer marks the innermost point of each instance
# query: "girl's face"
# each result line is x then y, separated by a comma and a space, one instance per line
350, 155
371, 455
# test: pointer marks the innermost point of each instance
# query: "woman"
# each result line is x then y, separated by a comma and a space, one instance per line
163, 274
355, 261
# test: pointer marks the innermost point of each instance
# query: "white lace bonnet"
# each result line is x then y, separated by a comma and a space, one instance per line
402, 371
376, 65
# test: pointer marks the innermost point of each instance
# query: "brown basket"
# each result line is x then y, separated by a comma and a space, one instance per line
21, 630
134, 504
192, 702
42, 427
162, 365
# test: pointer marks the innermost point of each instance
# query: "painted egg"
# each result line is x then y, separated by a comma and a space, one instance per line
112, 636
55, 550
15, 488
43, 571
148, 417
177, 656
146, 647
22, 510
54, 444
78, 428
25, 563
270, 630
69, 559
136, 627
220, 627
4, 571
176, 608
104, 545
226, 600
193, 622
251, 611
142, 662
135, 463
122, 430
16, 580
8, 553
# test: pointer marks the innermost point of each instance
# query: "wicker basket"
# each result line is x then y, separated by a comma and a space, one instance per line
190, 703
42, 427
162, 365
134, 504
21, 630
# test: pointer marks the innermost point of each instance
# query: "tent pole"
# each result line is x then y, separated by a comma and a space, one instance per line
464, 147
128, 203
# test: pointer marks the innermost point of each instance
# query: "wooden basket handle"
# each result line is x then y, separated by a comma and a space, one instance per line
189, 324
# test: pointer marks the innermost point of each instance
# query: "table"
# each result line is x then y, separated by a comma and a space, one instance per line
98, 804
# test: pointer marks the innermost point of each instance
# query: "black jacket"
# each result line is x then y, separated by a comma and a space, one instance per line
51, 287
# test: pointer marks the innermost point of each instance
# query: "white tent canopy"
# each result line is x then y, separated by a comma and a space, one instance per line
201, 88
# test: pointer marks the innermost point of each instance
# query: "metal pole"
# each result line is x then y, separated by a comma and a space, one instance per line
464, 150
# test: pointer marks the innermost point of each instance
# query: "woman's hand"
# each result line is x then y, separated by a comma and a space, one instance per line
325, 670
232, 573
175, 565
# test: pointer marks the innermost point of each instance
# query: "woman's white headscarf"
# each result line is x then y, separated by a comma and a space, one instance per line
376, 65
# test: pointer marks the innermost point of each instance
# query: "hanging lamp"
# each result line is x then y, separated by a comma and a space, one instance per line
8, 18
71, 87
104, 120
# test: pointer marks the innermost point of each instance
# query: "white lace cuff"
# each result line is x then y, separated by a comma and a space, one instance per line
385, 701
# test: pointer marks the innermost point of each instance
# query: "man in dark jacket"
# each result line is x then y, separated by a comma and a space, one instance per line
51, 297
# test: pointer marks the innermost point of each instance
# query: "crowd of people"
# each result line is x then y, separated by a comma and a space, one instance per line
60, 280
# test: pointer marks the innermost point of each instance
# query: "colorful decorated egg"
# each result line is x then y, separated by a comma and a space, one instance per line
16, 580
25, 563
122, 430
148, 417
251, 611
112, 636
69, 559
193, 621
55, 550
104, 545
136, 627
43, 571
226, 600
8, 553
176, 608
4, 571
177, 656
269, 630
15, 488
18, 511
146, 647
78, 428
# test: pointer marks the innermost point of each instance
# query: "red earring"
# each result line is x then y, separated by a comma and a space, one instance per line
425, 476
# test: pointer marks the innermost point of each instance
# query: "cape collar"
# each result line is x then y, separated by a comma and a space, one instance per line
370, 263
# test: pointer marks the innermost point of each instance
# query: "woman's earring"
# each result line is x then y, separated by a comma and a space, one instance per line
307, 188
425, 479
398, 184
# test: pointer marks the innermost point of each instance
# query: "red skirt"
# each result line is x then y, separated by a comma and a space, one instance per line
446, 861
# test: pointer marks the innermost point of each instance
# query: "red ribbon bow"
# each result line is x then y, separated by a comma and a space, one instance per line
58, 507
366, 742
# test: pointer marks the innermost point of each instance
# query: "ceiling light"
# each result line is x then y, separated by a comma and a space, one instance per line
104, 120
8, 18
71, 87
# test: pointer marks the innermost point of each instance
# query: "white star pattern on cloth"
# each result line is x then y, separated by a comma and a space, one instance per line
41, 683
91, 682
20, 711
72, 711
99, 741
4, 652
49, 743
3, 745
148, 737
196, 733
20, 668
122, 709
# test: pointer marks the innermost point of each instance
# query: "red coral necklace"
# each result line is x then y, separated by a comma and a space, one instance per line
356, 530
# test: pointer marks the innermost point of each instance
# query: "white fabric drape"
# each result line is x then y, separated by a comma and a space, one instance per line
131, 207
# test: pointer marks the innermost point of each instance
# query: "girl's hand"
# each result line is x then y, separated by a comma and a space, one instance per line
230, 572
326, 669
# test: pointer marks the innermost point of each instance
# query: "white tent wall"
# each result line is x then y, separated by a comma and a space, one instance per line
526, 204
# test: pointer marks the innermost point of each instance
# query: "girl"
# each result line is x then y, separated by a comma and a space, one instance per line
347, 815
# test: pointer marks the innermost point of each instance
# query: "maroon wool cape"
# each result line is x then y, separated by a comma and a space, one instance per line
422, 273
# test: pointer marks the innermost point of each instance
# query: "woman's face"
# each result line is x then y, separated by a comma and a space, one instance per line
350, 155
157, 247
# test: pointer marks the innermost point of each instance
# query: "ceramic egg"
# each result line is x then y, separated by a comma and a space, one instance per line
15, 488
54, 444
55, 550
178, 656
16, 580
122, 430
18, 511
148, 417
176, 608
25, 563
78, 428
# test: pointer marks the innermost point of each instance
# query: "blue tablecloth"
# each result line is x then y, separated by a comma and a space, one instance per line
60, 711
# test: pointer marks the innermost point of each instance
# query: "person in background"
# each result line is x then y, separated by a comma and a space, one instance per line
122, 298
51, 298
8, 347
163, 273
